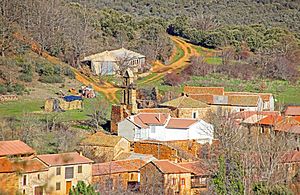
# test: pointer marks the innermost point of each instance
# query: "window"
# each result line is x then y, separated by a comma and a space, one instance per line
24, 180
58, 171
57, 186
152, 128
183, 181
38, 176
80, 169
174, 181
194, 115
69, 172
24, 192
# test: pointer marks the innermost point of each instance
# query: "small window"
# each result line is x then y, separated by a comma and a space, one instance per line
57, 186
194, 115
183, 181
38, 176
80, 169
174, 181
24, 180
152, 129
24, 192
58, 171
69, 173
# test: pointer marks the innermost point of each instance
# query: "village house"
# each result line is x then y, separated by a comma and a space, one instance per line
65, 170
134, 155
161, 127
265, 123
292, 111
217, 98
109, 62
15, 148
186, 107
165, 177
290, 162
199, 176
104, 147
117, 176
26, 176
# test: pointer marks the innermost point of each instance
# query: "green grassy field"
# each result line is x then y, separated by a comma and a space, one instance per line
20, 108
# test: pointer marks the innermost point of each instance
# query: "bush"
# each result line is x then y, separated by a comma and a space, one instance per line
175, 79
68, 72
3, 89
51, 79
25, 77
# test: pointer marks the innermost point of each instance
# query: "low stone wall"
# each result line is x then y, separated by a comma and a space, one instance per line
6, 98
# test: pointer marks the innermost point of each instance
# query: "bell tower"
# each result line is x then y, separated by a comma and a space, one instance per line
129, 92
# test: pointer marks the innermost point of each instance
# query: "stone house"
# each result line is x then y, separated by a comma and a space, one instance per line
186, 107
161, 127
217, 98
109, 62
199, 176
27, 176
165, 177
15, 148
104, 147
65, 170
117, 176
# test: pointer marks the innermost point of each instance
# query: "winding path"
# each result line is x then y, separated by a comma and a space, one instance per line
162, 69
108, 89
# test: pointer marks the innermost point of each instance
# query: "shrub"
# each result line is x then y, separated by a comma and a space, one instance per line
68, 72
3, 89
175, 79
25, 77
51, 79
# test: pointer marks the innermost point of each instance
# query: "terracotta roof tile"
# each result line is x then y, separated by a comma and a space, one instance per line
63, 159
203, 90
166, 166
185, 102
196, 167
207, 98
145, 119
264, 96
292, 111
101, 139
14, 147
270, 120
117, 167
154, 110
288, 124
180, 123
23, 166
293, 156
245, 114
243, 100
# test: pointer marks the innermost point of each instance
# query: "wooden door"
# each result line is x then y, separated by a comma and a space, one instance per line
38, 190
68, 186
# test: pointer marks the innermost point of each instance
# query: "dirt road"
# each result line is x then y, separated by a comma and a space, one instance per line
162, 69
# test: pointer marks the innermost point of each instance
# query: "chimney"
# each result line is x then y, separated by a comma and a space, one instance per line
158, 117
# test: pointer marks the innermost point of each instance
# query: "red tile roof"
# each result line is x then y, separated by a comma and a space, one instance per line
63, 159
288, 124
203, 90
167, 167
270, 120
180, 123
121, 166
145, 119
246, 114
14, 147
154, 110
292, 111
23, 166
207, 98
196, 167
293, 156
